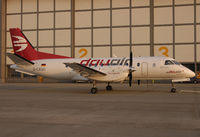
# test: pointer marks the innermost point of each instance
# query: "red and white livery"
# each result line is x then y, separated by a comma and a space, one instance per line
29, 61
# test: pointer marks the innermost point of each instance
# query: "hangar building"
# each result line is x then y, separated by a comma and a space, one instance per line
104, 28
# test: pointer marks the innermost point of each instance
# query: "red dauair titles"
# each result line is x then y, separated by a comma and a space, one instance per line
105, 62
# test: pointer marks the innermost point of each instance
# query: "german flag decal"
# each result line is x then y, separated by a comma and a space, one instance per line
43, 65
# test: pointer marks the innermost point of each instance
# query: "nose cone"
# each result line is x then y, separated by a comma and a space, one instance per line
190, 73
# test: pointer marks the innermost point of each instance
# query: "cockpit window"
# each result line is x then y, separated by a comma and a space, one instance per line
171, 62
175, 62
168, 62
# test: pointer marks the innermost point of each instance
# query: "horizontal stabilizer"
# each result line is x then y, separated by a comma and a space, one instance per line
19, 60
25, 72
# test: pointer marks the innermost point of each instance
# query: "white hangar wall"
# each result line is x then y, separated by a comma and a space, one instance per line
105, 28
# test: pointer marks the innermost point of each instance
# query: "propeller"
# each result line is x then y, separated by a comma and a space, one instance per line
130, 69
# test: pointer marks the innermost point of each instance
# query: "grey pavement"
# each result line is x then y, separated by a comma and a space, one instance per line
67, 110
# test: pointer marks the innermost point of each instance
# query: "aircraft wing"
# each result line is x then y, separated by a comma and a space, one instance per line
85, 71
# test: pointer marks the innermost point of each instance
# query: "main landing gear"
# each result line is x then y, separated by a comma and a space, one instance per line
173, 90
108, 87
94, 89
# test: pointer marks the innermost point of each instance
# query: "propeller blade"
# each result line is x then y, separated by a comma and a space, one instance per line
131, 59
130, 79
130, 69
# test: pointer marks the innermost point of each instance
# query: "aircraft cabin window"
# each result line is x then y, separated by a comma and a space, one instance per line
168, 62
138, 64
154, 64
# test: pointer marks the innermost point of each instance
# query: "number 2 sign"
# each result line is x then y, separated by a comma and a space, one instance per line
83, 52
164, 50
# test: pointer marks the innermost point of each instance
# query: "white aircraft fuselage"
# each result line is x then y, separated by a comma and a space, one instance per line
146, 68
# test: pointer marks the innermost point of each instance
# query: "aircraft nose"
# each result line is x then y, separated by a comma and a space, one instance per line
190, 74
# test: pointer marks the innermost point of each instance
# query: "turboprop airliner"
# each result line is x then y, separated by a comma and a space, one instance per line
29, 61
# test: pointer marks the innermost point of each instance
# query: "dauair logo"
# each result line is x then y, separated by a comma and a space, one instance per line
106, 62
21, 42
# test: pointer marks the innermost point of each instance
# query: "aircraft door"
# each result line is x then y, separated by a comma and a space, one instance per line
145, 69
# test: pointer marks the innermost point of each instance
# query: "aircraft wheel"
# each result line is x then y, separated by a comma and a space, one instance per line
108, 88
93, 91
173, 90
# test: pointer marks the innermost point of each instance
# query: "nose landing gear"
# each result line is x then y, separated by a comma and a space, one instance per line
173, 90
108, 87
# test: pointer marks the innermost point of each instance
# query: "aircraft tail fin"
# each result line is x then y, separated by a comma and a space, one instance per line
23, 48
